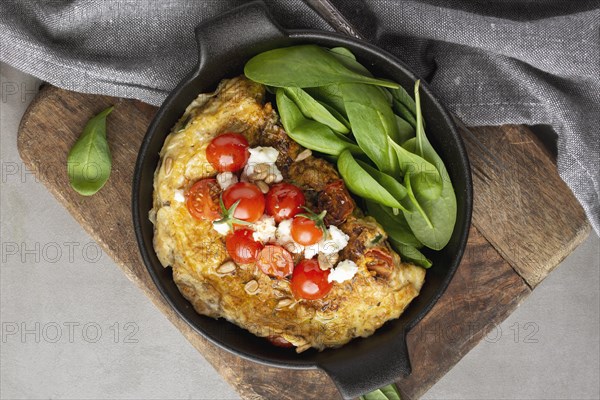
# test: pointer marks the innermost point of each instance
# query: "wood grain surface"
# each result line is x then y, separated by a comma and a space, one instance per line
509, 251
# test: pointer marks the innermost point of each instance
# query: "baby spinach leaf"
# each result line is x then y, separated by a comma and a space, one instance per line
373, 123
426, 177
329, 94
309, 133
361, 183
344, 52
422, 141
404, 112
337, 115
389, 392
312, 109
431, 220
89, 161
403, 98
346, 57
414, 205
395, 226
410, 253
405, 130
435, 228
304, 66
390, 184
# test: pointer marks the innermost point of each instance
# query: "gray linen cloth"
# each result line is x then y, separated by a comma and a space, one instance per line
491, 62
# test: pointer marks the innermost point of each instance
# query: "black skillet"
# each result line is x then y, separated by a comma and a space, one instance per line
225, 43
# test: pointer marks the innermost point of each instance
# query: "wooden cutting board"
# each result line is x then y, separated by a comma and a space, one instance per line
525, 222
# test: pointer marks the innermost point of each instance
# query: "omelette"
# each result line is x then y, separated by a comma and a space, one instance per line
378, 287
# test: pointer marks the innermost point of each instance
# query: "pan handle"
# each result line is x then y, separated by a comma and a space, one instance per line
235, 32
371, 369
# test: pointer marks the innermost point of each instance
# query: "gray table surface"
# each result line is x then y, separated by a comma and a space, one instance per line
74, 327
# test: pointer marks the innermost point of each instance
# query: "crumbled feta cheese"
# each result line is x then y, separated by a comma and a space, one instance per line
311, 251
264, 229
335, 242
222, 227
179, 196
344, 271
284, 237
226, 179
262, 155
259, 155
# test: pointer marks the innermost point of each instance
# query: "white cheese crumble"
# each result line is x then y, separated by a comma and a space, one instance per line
262, 155
259, 155
226, 179
336, 240
221, 227
344, 271
284, 237
179, 196
264, 229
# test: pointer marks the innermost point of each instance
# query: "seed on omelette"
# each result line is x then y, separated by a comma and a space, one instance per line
346, 284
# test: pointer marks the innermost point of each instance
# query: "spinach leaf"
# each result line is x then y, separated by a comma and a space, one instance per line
405, 130
410, 253
427, 178
403, 98
346, 57
404, 112
330, 95
312, 109
361, 183
395, 226
89, 161
308, 133
344, 52
413, 203
373, 123
389, 392
431, 219
422, 141
336, 114
304, 66
390, 184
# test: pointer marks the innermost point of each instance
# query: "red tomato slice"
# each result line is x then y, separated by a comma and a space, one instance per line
202, 200
252, 201
275, 261
228, 152
284, 201
242, 247
309, 281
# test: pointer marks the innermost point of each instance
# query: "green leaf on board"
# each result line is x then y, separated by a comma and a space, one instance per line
89, 161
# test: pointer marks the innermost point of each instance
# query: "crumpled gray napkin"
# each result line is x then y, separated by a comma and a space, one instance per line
491, 62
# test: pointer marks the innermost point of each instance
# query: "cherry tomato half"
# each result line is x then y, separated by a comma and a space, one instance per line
275, 261
305, 231
228, 152
242, 247
309, 281
252, 201
202, 200
284, 201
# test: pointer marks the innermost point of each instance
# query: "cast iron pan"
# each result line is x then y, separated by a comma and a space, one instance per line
225, 44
